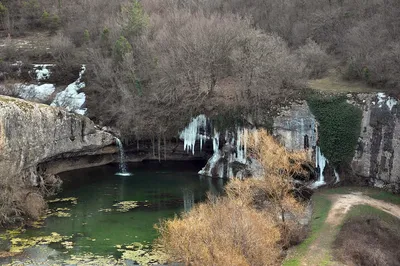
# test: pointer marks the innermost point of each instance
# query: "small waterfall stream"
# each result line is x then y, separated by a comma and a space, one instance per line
122, 165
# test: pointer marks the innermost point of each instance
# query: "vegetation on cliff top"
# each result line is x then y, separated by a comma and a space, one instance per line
153, 64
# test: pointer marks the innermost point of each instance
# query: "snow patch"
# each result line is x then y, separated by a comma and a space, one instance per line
383, 98
42, 71
70, 98
35, 92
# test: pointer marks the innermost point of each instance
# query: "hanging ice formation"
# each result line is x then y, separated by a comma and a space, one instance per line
320, 163
337, 177
220, 164
192, 133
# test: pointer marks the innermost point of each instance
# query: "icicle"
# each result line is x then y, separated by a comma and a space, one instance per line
320, 162
215, 141
337, 177
192, 133
221, 170
240, 145
211, 164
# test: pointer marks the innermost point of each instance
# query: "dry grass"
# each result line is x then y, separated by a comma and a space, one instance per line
251, 224
222, 232
368, 239
334, 83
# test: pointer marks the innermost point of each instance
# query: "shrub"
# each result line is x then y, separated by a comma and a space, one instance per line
10, 51
62, 47
86, 36
367, 240
3, 11
31, 13
134, 19
50, 21
8, 88
22, 200
121, 48
222, 232
248, 226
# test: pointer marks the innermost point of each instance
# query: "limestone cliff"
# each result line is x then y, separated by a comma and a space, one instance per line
32, 133
295, 127
377, 155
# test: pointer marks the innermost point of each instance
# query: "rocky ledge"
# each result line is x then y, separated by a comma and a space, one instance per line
32, 134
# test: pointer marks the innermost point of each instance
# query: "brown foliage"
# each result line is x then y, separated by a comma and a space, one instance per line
22, 197
222, 232
274, 191
251, 224
175, 65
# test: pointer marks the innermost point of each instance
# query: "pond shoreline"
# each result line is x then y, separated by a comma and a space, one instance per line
102, 216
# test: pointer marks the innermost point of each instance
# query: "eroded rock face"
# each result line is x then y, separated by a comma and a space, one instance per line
377, 156
32, 133
295, 127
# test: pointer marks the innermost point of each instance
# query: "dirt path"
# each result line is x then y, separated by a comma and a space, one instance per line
319, 251
341, 204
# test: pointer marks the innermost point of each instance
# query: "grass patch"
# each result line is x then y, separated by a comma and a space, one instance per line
366, 210
322, 205
334, 83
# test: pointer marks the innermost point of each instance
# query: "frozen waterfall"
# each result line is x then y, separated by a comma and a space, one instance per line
234, 148
193, 132
320, 163
337, 177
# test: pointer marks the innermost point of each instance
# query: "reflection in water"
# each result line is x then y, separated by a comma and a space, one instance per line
215, 185
188, 199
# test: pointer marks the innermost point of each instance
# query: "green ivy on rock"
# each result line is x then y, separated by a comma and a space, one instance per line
339, 127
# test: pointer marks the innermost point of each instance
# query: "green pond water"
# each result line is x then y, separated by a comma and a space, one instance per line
95, 226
